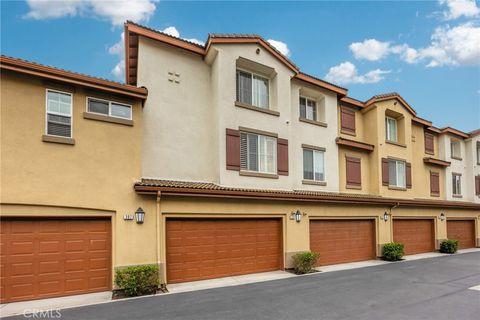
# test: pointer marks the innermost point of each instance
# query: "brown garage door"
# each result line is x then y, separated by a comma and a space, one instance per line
416, 234
463, 231
200, 249
49, 258
340, 241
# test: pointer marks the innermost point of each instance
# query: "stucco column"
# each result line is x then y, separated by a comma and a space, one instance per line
297, 235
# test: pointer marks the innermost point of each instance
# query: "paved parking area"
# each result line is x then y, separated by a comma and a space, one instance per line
435, 288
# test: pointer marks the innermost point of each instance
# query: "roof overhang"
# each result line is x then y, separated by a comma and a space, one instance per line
390, 96
422, 121
436, 162
354, 144
34, 69
455, 132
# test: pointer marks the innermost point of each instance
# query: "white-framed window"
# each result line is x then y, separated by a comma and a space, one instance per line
391, 129
313, 165
455, 148
456, 184
109, 108
252, 89
308, 108
396, 173
478, 152
258, 153
58, 113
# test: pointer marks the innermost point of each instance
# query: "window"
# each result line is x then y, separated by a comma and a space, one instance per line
478, 152
308, 109
258, 153
434, 184
109, 108
353, 172
313, 165
429, 143
396, 173
456, 184
59, 114
455, 148
252, 89
391, 129
347, 120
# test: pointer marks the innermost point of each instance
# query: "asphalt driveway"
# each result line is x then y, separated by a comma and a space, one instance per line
435, 288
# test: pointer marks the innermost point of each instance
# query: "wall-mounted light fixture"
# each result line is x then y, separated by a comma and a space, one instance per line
385, 216
297, 215
139, 215
442, 216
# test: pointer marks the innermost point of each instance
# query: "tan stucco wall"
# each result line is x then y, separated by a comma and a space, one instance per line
94, 177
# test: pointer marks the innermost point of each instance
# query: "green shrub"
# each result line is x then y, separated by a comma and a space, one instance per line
137, 280
304, 262
449, 246
393, 251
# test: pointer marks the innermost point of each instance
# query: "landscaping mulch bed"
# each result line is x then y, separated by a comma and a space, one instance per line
120, 293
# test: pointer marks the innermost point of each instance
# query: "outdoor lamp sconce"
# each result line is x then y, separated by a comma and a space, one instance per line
385, 216
297, 216
442, 216
139, 215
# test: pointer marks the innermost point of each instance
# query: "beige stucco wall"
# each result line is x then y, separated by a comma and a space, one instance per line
456, 166
365, 170
92, 178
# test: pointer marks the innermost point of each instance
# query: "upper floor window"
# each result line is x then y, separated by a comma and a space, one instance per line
59, 114
456, 184
396, 173
429, 143
455, 148
109, 108
391, 129
308, 109
258, 153
478, 152
313, 165
252, 89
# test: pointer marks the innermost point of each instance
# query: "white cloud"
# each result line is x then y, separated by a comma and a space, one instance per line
119, 70
172, 31
118, 49
280, 46
116, 11
370, 49
346, 73
459, 8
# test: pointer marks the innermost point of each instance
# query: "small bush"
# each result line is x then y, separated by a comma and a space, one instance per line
137, 280
304, 262
393, 251
449, 246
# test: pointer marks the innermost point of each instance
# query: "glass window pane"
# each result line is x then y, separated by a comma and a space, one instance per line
98, 106
244, 87
308, 164
268, 151
319, 166
121, 111
59, 102
401, 174
252, 160
303, 108
392, 173
260, 92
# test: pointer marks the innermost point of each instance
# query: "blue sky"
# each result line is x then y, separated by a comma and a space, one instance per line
428, 51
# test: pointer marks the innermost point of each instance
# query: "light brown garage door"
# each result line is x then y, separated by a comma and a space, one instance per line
463, 231
199, 249
416, 234
340, 241
49, 258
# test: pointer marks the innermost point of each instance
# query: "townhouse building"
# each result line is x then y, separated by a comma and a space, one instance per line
251, 161
236, 161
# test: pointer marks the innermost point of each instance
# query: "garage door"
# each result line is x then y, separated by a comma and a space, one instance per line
50, 258
463, 231
199, 249
416, 234
340, 241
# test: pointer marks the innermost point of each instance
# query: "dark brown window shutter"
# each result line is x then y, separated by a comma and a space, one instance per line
408, 173
354, 172
282, 157
477, 185
429, 143
347, 120
385, 171
434, 183
233, 149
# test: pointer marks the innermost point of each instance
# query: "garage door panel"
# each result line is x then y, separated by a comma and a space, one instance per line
221, 247
463, 231
43, 260
340, 241
417, 235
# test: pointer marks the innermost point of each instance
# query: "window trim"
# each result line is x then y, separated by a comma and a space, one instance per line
306, 106
275, 154
387, 132
457, 195
313, 149
391, 186
269, 107
88, 98
58, 114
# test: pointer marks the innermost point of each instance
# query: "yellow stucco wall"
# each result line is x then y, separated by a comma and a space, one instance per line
92, 178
